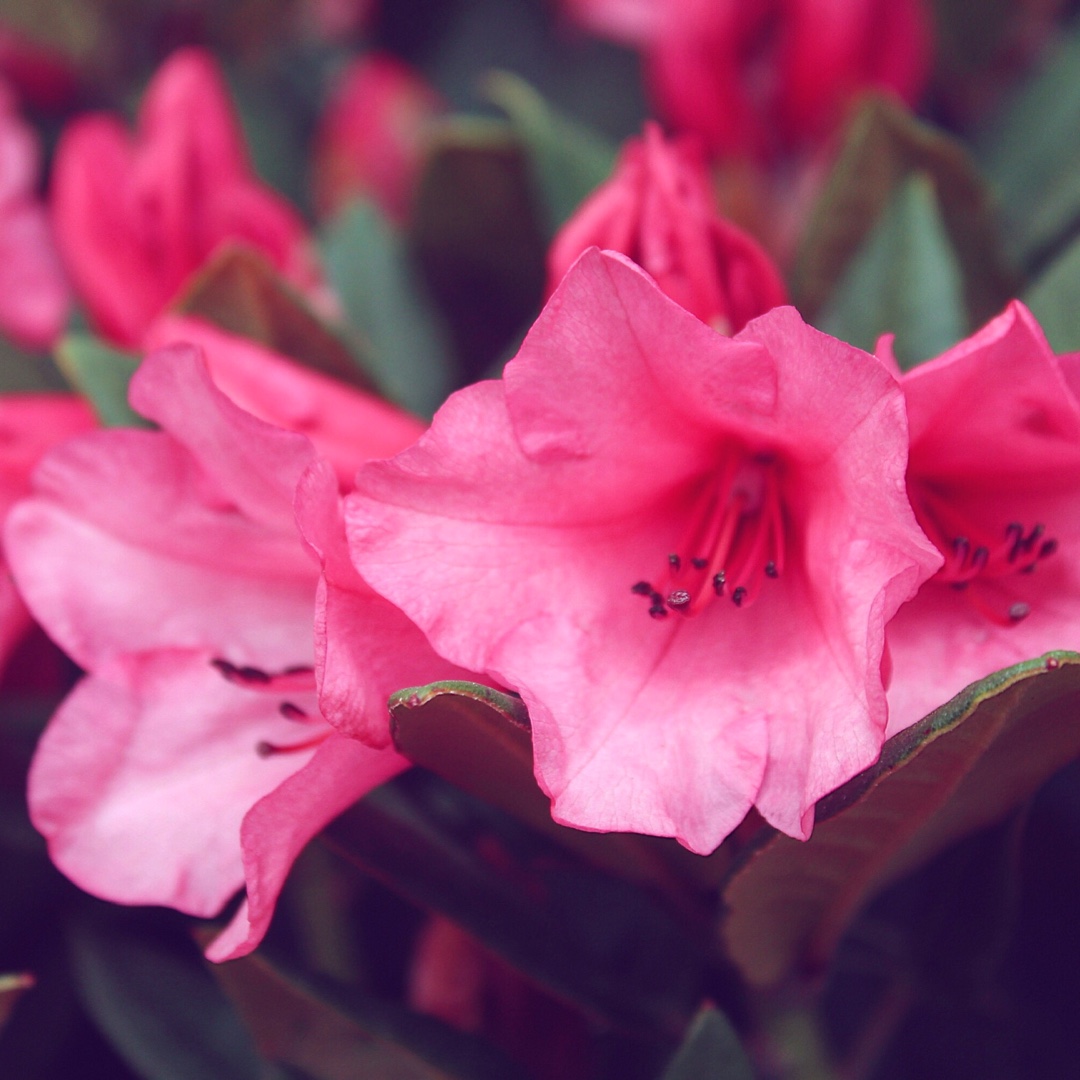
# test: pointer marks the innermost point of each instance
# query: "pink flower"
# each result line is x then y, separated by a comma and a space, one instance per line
754, 76
680, 548
136, 216
994, 478
373, 136
29, 425
34, 297
658, 209
195, 757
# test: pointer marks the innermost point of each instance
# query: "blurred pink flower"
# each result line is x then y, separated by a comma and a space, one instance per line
195, 757
34, 296
29, 425
755, 76
994, 478
658, 209
373, 135
137, 215
680, 548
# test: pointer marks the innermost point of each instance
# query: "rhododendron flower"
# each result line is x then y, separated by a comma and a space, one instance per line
994, 479
680, 548
137, 215
754, 76
34, 296
29, 425
658, 209
373, 136
195, 757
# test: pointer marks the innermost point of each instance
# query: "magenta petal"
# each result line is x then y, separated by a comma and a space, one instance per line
277, 827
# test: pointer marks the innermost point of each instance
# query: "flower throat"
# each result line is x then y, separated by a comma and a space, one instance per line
733, 542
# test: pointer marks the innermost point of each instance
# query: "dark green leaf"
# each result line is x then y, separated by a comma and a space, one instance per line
239, 291
884, 145
368, 265
1054, 300
962, 767
479, 740
905, 280
332, 1032
710, 1051
154, 1000
591, 939
566, 159
1032, 156
101, 374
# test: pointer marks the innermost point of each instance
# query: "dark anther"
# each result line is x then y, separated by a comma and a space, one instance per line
299, 669
1019, 611
656, 599
642, 588
738, 596
240, 674
291, 711
1048, 548
770, 569
658, 611
979, 558
266, 749
700, 564
1033, 537
679, 600
674, 562
960, 548
718, 583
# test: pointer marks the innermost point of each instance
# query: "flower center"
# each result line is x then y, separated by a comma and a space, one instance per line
733, 543
979, 560
296, 680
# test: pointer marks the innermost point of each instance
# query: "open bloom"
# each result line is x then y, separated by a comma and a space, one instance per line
196, 757
680, 548
994, 479
137, 215
754, 76
657, 208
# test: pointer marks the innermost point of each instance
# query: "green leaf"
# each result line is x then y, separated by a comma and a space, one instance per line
961, 768
239, 291
883, 147
368, 265
710, 1051
1054, 300
479, 739
591, 939
12, 988
1032, 156
567, 160
154, 1000
101, 374
475, 231
906, 280
330, 1031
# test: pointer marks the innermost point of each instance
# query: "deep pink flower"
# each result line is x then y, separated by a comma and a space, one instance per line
658, 209
680, 548
34, 296
29, 425
346, 426
373, 136
195, 757
994, 479
754, 76
137, 215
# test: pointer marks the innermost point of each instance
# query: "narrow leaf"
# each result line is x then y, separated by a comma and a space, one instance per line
961, 768
12, 988
239, 291
368, 265
906, 280
157, 1004
1054, 300
710, 1051
332, 1032
883, 147
101, 374
567, 160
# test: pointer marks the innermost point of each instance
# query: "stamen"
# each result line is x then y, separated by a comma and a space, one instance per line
292, 712
268, 749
